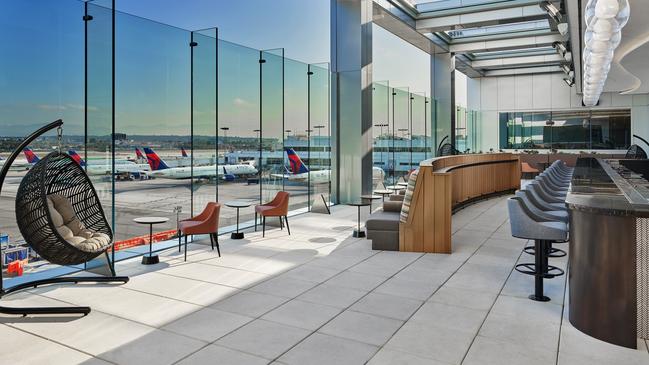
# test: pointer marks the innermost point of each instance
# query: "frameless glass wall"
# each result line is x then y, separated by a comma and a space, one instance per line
381, 128
578, 130
196, 119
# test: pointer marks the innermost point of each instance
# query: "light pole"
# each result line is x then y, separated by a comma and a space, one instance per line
225, 137
319, 128
381, 125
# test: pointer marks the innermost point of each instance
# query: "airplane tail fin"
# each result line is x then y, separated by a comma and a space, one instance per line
297, 166
75, 156
139, 154
155, 162
184, 153
30, 155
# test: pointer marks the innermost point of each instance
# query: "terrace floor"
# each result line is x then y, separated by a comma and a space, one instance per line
317, 297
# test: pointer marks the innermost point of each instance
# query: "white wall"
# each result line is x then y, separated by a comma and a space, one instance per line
547, 92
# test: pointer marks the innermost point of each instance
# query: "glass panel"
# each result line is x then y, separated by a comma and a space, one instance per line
297, 132
319, 143
418, 127
152, 112
461, 131
272, 125
239, 112
41, 73
204, 151
580, 130
401, 142
382, 128
442, 123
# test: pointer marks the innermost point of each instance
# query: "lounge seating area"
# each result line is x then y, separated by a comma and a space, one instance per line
319, 296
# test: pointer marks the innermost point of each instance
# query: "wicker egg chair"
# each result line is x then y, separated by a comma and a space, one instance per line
57, 173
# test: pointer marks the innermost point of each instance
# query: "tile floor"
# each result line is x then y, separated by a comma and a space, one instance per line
317, 297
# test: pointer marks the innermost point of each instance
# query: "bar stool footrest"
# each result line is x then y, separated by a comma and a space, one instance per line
554, 252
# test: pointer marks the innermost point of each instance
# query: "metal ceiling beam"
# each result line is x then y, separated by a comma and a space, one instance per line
506, 44
393, 22
545, 60
522, 71
478, 19
437, 8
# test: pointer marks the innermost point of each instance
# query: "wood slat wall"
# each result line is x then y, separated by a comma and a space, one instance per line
443, 184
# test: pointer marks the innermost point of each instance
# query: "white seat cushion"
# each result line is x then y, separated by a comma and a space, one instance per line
71, 228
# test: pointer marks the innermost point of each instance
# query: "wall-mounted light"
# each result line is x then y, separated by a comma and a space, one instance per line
560, 48
604, 22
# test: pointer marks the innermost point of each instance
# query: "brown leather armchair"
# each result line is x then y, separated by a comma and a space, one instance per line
278, 207
207, 222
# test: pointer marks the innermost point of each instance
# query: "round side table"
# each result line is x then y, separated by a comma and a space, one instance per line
357, 232
238, 204
150, 259
370, 198
383, 193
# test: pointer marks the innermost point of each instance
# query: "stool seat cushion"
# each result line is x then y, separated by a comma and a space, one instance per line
383, 221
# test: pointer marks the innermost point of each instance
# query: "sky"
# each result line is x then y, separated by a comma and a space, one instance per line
44, 81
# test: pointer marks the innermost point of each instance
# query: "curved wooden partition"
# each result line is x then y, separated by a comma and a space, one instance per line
445, 183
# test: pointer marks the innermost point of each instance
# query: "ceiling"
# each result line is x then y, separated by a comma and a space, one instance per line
489, 37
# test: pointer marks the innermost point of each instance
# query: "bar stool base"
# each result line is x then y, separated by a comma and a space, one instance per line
359, 234
150, 260
236, 235
542, 298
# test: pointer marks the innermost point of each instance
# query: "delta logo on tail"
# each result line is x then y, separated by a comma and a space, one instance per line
139, 154
30, 155
184, 153
297, 166
75, 156
155, 162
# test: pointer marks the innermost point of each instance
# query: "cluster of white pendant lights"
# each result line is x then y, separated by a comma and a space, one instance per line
604, 22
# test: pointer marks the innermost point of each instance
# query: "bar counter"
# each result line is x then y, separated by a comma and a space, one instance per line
609, 249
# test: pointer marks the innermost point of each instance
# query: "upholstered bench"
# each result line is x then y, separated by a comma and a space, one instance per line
382, 227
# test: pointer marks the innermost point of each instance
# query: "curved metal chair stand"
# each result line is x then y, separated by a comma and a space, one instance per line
56, 173
524, 224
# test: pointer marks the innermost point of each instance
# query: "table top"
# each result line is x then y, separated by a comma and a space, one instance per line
238, 204
150, 220
395, 187
372, 197
383, 192
402, 183
359, 204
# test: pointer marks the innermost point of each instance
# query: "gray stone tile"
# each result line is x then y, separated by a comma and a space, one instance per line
214, 354
393, 357
449, 317
362, 327
355, 280
250, 304
157, 347
264, 338
332, 295
489, 351
407, 288
313, 273
464, 298
207, 324
320, 349
387, 306
283, 287
437, 343
21, 347
302, 314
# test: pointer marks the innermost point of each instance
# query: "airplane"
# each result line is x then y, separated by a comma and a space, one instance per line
183, 152
299, 171
126, 169
159, 168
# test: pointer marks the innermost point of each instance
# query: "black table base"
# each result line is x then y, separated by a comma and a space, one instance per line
150, 260
359, 233
236, 235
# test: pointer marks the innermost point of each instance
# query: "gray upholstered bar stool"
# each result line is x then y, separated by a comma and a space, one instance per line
543, 202
542, 191
548, 182
545, 216
526, 225
557, 177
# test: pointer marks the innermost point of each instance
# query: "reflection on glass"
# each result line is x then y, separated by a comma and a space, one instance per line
600, 129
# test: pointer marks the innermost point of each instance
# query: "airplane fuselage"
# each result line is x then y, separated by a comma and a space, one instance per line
204, 171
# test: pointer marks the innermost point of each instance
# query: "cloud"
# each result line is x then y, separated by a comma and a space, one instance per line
50, 107
242, 103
